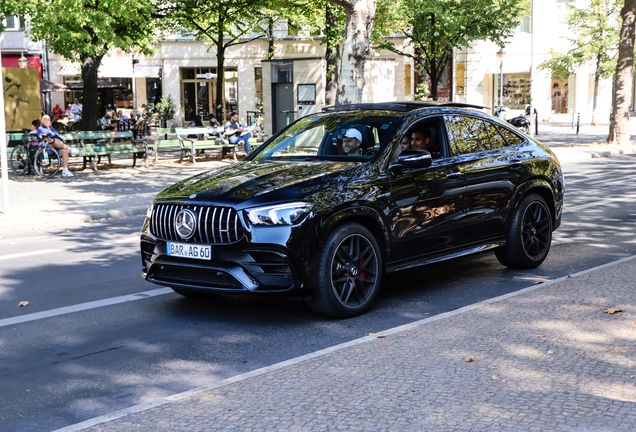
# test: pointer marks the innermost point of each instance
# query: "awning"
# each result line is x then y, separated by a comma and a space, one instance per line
49, 86
124, 69
101, 83
114, 69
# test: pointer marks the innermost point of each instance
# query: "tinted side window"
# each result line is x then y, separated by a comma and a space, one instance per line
467, 135
511, 137
496, 140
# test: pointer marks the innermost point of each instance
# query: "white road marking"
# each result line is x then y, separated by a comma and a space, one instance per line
258, 372
129, 239
83, 306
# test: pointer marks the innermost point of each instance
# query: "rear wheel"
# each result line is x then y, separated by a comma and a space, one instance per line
350, 271
530, 235
525, 128
19, 160
47, 163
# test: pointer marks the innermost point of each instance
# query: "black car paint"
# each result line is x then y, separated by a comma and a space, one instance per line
396, 208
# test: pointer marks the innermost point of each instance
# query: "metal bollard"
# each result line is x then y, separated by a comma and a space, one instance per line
578, 123
536, 122
573, 118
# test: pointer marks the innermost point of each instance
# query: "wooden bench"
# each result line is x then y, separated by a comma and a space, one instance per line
92, 145
161, 142
216, 140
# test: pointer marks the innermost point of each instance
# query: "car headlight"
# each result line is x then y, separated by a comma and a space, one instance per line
281, 214
149, 211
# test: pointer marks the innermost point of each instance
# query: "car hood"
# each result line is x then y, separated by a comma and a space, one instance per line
247, 180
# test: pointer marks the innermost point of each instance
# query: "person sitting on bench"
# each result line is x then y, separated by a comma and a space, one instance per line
48, 134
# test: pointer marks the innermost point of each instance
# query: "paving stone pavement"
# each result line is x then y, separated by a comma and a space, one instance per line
547, 359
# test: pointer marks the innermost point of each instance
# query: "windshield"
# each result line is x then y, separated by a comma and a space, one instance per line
355, 136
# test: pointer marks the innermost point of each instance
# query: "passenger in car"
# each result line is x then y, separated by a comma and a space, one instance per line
351, 142
420, 139
405, 144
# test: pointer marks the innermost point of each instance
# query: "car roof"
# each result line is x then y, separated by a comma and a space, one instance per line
399, 106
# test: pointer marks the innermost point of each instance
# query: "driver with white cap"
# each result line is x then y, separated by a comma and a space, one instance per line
351, 142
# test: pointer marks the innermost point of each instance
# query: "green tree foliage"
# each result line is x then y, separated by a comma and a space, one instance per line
596, 30
166, 107
221, 23
434, 28
85, 30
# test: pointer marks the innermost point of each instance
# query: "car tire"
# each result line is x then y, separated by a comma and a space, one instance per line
530, 235
193, 294
349, 272
525, 129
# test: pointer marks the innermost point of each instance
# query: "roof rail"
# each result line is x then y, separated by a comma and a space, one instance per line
399, 106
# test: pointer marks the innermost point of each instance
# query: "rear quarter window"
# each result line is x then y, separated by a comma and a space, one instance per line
497, 141
511, 138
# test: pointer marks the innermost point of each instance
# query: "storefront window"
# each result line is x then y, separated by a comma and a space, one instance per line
258, 85
198, 86
516, 90
153, 90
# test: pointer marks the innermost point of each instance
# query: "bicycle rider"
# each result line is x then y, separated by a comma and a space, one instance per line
47, 133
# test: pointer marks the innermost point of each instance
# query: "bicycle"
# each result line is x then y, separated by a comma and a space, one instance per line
45, 161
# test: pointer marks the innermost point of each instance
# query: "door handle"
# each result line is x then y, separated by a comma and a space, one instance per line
454, 175
514, 163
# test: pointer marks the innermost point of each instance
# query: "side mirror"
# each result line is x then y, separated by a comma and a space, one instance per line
415, 158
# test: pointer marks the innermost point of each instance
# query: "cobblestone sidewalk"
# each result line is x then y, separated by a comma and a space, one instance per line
546, 359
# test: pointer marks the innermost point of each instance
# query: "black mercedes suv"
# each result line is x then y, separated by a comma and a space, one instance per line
306, 216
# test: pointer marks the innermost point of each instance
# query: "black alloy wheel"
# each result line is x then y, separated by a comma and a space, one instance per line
530, 235
350, 272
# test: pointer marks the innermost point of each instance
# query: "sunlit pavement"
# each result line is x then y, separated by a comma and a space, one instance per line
559, 356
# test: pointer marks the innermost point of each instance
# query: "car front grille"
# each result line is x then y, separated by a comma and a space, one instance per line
214, 224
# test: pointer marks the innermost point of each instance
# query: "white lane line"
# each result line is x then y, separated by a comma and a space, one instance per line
83, 306
258, 372
129, 239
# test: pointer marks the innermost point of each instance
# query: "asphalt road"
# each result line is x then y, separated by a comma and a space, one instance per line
71, 365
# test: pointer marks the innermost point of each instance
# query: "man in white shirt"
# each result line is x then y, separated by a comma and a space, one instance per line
76, 110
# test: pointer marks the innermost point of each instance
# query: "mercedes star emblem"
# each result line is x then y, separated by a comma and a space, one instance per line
193, 196
185, 222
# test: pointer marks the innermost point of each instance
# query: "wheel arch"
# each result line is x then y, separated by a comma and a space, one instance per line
363, 215
542, 188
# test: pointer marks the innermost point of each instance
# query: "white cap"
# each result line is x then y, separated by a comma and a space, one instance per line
354, 133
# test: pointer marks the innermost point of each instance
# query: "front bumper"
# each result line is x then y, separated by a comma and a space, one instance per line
239, 268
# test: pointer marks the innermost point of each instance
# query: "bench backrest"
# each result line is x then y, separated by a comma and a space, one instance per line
94, 135
210, 130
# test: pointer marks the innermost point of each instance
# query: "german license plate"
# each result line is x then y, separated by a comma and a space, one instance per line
184, 250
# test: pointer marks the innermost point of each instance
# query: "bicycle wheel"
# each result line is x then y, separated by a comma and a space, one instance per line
19, 160
48, 166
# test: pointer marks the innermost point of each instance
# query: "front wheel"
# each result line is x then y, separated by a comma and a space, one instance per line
349, 272
47, 163
530, 235
19, 160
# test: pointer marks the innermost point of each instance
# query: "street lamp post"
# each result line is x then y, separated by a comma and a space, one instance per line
500, 55
134, 93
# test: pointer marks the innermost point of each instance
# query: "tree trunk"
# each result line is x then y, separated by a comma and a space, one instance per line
332, 54
355, 49
597, 77
90, 66
619, 121
220, 61
270, 38
422, 77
